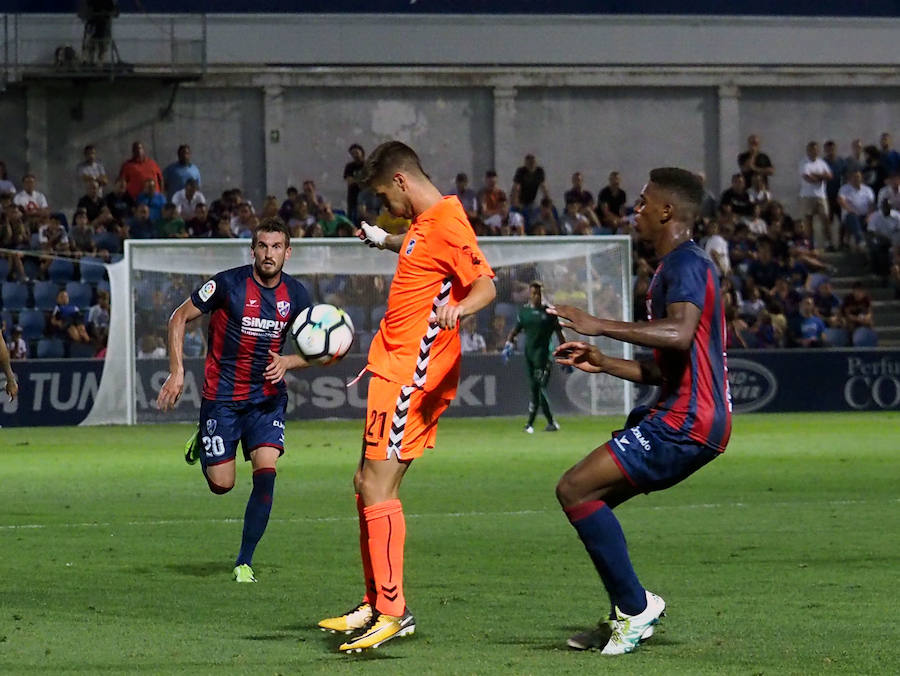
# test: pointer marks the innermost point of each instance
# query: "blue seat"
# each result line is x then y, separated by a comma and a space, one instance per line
108, 241
50, 348
81, 351
4, 268
32, 267
80, 294
865, 337
103, 285
837, 337
61, 270
92, 270
33, 323
14, 295
45, 295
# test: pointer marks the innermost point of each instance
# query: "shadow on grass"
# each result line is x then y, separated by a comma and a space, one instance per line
197, 569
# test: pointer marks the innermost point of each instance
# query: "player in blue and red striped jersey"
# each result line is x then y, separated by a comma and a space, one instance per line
688, 426
244, 394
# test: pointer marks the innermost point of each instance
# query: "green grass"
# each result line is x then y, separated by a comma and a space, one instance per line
780, 557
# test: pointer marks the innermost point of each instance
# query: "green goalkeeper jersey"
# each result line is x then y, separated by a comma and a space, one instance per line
538, 327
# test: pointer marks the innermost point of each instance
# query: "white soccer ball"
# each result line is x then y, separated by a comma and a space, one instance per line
322, 333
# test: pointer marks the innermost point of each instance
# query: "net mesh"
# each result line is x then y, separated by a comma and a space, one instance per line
157, 276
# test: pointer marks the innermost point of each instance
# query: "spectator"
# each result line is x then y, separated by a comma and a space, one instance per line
140, 226
177, 174
301, 220
352, 173
735, 329
7, 187
765, 270
802, 250
578, 194
528, 180
466, 195
741, 247
330, 221
505, 221
314, 201
269, 208
32, 201
710, 205
737, 197
755, 222
890, 158
469, 339
151, 347
244, 222
92, 201
154, 199
120, 203
832, 185
223, 228
91, 169
891, 191
289, 206
856, 309
137, 170
814, 172
754, 162
67, 320
759, 192
883, 233
717, 248
170, 224
855, 161
98, 315
225, 205
315, 230
857, 201
187, 199
18, 348
82, 234
201, 224
873, 171
18, 238
766, 334
368, 204
827, 304
489, 197
752, 304
811, 327
496, 339
53, 238
611, 202
578, 219
385, 220
546, 217
787, 299
194, 341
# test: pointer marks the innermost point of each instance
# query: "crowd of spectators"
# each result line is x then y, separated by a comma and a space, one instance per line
770, 262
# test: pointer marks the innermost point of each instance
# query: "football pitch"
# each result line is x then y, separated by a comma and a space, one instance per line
781, 557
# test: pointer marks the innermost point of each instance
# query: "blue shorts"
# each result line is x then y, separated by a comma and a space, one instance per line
224, 423
653, 456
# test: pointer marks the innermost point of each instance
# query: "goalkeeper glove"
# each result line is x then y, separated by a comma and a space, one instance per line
373, 235
506, 351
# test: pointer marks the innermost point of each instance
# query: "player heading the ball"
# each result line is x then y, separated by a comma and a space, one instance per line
414, 361
244, 394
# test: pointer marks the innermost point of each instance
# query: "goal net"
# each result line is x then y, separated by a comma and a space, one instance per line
155, 276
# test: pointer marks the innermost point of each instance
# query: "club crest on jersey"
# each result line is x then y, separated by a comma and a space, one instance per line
207, 290
211, 426
284, 307
409, 248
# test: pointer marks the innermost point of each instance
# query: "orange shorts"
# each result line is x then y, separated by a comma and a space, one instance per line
401, 420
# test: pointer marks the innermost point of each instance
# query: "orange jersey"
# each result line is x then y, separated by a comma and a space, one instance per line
437, 264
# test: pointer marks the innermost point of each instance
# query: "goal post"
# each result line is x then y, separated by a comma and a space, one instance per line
155, 276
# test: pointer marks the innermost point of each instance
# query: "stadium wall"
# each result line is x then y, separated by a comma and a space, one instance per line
62, 392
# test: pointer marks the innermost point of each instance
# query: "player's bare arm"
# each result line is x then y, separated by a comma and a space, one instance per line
590, 359
281, 364
674, 332
174, 385
481, 294
12, 385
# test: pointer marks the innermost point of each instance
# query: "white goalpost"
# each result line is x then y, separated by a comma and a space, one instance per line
155, 276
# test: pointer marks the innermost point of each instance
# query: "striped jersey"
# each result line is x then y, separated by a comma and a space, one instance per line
246, 321
437, 263
694, 398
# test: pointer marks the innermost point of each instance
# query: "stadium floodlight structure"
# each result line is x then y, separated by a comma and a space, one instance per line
155, 276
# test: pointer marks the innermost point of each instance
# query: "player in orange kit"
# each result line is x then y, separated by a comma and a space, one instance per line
414, 359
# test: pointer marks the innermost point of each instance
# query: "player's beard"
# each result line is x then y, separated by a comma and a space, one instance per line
266, 276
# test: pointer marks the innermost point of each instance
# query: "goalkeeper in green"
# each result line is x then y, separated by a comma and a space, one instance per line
539, 328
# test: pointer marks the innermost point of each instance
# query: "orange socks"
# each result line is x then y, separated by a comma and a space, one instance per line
387, 535
364, 553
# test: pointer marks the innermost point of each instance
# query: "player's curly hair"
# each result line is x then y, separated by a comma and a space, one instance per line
272, 224
389, 157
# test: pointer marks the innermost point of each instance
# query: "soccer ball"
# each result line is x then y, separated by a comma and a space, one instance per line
322, 333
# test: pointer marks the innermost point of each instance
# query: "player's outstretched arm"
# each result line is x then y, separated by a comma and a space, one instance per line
379, 238
174, 385
590, 359
674, 332
12, 385
281, 364
481, 294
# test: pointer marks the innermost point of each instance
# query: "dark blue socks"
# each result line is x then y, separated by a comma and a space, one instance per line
603, 539
259, 506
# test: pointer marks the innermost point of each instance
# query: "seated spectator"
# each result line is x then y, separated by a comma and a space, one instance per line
345, 229
469, 338
91, 169
883, 233
244, 222
224, 205
759, 192
578, 219
546, 216
289, 205
578, 194
489, 198
170, 224
201, 224
31, 200
611, 203
717, 248
811, 326
856, 309
765, 270
152, 198
53, 238
269, 207
7, 187
801, 248
827, 304
496, 339
466, 195
301, 220
786, 298
223, 228
765, 332
511, 221
98, 315
187, 199
67, 321
890, 192
82, 235
737, 197
140, 226
120, 203
755, 222
857, 201
314, 201
194, 341
315, 230
735, 327
18, 348
92, 201
752, 304
151, 346
330, 220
